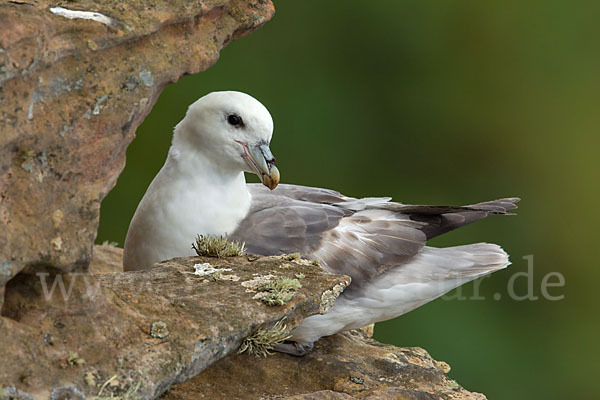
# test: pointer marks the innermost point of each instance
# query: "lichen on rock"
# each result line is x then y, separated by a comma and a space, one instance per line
277, 292
329, 296
159, 330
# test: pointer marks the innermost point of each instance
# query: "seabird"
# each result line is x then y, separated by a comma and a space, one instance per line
380, 244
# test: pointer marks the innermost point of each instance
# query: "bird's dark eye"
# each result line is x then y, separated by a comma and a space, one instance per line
235, 120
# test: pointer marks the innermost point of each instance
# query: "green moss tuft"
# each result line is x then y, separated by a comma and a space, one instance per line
213, 246
293, 256
262, 341
279, 291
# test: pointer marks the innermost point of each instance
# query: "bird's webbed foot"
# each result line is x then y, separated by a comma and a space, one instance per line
294, 348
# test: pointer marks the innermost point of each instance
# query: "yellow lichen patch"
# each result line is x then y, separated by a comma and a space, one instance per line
328, 297
217, 246
262, 341
129, 395
57, 243
57, 218
88, 378
92, 45
159, 330
441, 365
391, 357
73, 360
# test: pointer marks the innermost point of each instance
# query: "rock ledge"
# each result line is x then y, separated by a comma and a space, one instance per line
142, 331
345, 366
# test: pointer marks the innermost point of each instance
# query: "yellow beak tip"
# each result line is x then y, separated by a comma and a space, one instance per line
272, 179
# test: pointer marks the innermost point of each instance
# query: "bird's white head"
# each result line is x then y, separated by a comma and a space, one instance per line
233, 130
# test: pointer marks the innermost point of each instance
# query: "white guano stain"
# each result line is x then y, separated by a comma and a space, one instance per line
75, 14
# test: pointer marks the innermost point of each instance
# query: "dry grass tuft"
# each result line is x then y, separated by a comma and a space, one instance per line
262, 341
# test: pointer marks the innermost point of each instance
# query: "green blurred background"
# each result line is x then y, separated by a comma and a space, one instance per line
438, 102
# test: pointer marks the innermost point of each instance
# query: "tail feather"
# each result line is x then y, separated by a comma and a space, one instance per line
431, 274
440, 267
484, 258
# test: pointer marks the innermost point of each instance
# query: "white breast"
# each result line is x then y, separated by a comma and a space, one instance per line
176, 208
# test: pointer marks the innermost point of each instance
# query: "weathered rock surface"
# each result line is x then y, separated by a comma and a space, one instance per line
73, 89
148, 330
349, 365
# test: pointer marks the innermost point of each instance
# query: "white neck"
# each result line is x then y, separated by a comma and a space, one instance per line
197, 169
216, 198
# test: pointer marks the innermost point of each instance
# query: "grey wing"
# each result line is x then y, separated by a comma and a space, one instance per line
337, 230
289, 219
277, 225
356, 237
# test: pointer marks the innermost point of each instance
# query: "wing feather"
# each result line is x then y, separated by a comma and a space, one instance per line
357, 237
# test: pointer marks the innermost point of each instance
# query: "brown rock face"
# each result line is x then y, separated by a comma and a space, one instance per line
344, 366
141, 331
73, 88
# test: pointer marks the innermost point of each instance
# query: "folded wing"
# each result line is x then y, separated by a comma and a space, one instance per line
356, 237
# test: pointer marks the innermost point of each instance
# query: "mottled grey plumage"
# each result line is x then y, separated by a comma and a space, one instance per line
307, 220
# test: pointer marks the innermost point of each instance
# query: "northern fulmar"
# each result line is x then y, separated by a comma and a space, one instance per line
380, 244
